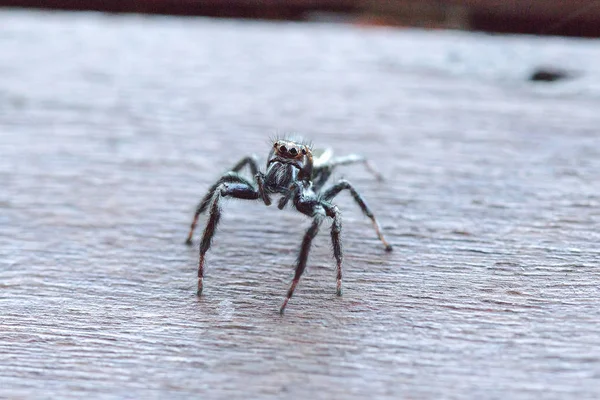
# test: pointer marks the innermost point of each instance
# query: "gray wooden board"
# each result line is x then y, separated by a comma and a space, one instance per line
112, 127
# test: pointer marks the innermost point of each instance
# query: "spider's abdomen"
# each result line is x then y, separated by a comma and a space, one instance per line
279, 176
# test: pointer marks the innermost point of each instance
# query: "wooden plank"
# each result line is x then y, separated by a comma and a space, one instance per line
112, 127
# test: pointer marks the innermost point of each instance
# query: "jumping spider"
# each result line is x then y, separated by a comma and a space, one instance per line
294, 172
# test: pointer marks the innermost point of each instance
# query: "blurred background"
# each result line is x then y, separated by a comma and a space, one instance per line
543, 17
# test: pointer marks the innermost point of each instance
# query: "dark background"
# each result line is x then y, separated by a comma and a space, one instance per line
541, 17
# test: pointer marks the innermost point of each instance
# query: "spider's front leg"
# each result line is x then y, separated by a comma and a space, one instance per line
302, 258
232, 176
307, 203
336, 242
239, 190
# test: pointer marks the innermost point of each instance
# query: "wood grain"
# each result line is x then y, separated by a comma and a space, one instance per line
113, 127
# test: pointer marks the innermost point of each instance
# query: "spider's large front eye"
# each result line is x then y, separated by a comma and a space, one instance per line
283, 149
293, 151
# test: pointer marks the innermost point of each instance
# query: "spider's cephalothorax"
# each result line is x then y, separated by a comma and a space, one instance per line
296, 173
288, 162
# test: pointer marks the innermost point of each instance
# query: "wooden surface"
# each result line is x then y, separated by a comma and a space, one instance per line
113, 127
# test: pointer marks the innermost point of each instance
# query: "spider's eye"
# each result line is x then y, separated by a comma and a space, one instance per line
275, 145
293, 151
303, 151
283, 149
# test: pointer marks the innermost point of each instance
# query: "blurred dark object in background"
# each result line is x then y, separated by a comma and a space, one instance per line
549, 74
539, 17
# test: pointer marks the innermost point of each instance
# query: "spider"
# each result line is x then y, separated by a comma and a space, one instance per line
295, 173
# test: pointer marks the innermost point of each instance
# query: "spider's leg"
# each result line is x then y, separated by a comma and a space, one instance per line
354, 159
320, 177
333, 191
239, 190
250, 161
307, 203
229, 177
336, 229
302, 258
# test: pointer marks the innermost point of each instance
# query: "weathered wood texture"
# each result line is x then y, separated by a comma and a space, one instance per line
112, 127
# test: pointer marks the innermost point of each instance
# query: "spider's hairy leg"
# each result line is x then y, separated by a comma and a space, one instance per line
229, 177
355, 159
321, 176
302, 258
250, 161
336, 229
333, 191
239, 190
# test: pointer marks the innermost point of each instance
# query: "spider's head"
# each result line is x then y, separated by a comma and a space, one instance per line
293, 153
290, 150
